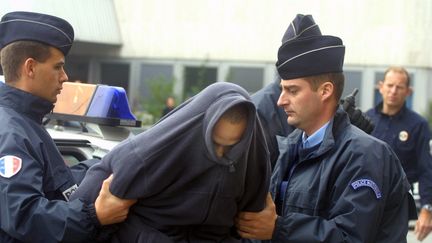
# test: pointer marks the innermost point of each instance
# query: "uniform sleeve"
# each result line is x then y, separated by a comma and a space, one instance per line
25, 213
79, 170
424, 161
90, 186
358, 215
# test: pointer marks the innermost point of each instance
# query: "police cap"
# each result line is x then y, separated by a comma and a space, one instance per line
47, 29
306, 52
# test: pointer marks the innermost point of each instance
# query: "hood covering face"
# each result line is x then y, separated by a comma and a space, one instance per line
212, 116
174, 165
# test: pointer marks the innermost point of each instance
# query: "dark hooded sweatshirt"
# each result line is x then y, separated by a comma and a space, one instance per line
186, 193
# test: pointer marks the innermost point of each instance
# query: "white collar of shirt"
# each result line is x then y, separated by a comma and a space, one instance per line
316, 138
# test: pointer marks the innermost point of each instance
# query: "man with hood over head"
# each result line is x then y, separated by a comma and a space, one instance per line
192, 172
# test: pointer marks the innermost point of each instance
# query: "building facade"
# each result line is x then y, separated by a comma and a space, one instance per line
142, 45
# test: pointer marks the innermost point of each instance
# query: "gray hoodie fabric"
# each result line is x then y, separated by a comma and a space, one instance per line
185, 192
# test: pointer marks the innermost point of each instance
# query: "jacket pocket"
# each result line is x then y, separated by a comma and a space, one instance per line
301, 202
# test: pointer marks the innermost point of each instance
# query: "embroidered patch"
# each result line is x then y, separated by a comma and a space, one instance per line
367, 183
68, 192
10, 165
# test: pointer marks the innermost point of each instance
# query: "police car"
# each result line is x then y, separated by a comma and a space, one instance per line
88, 120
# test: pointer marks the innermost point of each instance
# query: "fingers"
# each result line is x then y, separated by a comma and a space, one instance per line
423, 226
421, 232
269, 199
105, 185
110, 208
129, 202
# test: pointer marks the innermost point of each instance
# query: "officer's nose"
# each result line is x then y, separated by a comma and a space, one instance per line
282, 99
64, 77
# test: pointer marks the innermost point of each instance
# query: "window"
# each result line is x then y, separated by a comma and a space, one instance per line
353, 80
154, 73
197, 78
77, 71
250, 79
156, 83
115, 74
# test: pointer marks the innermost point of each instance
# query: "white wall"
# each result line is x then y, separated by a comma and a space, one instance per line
374, 32
381, 32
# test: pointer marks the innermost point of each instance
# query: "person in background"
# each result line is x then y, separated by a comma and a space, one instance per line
169, 105
35, 183
332, 182
408, 134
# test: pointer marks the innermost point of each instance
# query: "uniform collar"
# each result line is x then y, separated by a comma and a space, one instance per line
337, 125
316, 138
34, 107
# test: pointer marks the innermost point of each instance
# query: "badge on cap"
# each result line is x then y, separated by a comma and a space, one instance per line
367, 183
403, 136
9, 166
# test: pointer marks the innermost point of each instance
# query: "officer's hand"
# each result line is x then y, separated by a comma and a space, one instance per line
109, 208
423, 225
259, 225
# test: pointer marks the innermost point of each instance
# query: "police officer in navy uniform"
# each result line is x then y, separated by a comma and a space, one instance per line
35, 183
408, 134
273, 118
332, 181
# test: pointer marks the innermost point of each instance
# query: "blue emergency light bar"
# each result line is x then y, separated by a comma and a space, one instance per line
94, 103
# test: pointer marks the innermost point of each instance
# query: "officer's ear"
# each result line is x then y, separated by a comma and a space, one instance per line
29, 67
326, 90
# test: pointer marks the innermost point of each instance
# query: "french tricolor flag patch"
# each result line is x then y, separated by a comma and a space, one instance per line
9, 166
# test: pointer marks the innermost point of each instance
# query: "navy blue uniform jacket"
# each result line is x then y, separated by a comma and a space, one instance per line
32, 202
351, 189
185, 191
408, 135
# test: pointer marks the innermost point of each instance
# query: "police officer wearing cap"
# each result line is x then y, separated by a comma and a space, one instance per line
408, 134
273, 118
332, 182
35, 183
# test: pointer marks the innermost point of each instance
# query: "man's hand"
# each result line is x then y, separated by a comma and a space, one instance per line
109, 208
259, 225
423, 225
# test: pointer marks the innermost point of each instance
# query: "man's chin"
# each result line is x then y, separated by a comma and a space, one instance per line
291, 121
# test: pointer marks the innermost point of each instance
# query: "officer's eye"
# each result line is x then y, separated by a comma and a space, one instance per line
293, 91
